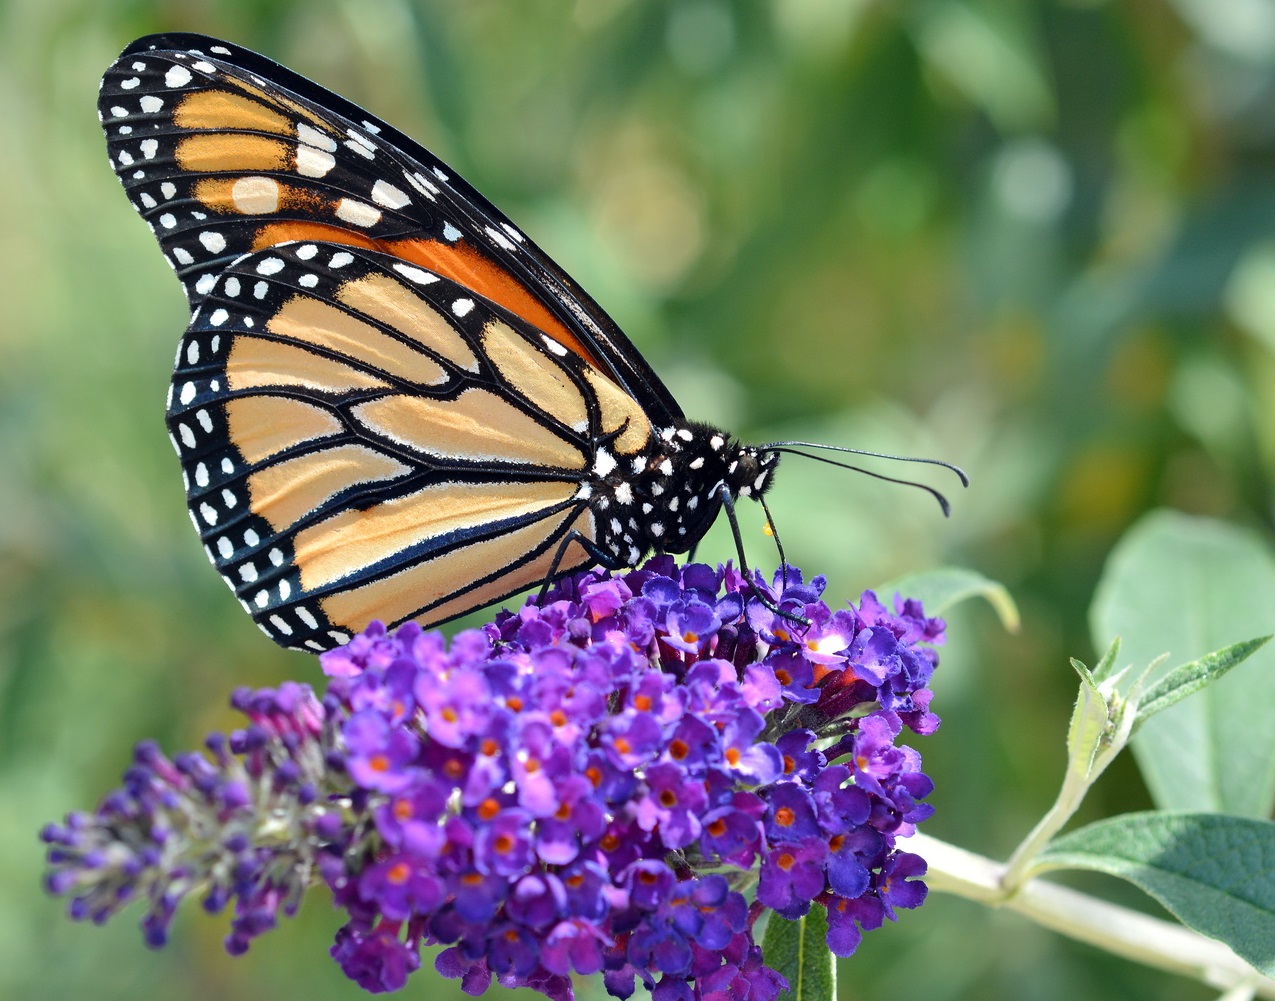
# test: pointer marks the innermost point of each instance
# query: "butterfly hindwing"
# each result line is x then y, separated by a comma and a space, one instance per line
362, 439
224, 152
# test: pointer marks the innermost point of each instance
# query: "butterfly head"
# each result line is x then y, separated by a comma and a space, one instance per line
750, 474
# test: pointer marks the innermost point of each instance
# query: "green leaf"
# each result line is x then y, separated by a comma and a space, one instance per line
1090, 720
1190, 678
1191, 586
944, 587
1107, 666
1213, 872
799, 951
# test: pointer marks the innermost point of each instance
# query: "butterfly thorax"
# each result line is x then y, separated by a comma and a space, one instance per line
665, 498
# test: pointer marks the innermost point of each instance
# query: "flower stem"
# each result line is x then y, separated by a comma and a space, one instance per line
1139, 937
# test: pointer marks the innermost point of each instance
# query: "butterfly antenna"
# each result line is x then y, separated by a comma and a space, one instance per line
779, 446
943, 503
728, 502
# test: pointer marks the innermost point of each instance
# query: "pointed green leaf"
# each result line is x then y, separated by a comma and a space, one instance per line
1107, 666
1190, 586
799, 951
1213, 872
1089, 721
940, 589
1190, 678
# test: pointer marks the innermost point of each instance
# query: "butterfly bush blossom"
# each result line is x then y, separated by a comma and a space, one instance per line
620, 779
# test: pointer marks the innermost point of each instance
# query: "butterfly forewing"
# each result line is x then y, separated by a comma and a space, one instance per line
225, 152
363, 439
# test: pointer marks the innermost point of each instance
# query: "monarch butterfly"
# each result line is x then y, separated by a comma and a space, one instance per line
389, 403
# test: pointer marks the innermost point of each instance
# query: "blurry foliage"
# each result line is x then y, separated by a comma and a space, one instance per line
1034, 238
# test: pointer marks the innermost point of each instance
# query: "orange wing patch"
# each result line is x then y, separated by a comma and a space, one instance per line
257, 363
287, 491
533, 375
447, 582
262, 426
353, 539
476, 426
313, 321
219, 110
388, 301
208, 153
458, 261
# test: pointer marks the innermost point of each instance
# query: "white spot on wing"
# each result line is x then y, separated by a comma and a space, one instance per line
499, 238
151, 104
422, 184
177, 76
311, 136
415, 274
255, 195
384, 193
313, 162
213, 241
604, 463
357, 213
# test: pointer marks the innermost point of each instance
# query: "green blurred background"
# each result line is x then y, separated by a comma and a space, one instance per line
1033, 238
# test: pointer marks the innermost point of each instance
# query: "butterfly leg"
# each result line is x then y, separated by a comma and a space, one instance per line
728, 503
601, 557
774, 533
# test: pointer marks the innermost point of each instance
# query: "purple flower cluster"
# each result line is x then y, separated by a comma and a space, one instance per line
598, 783
192, 824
